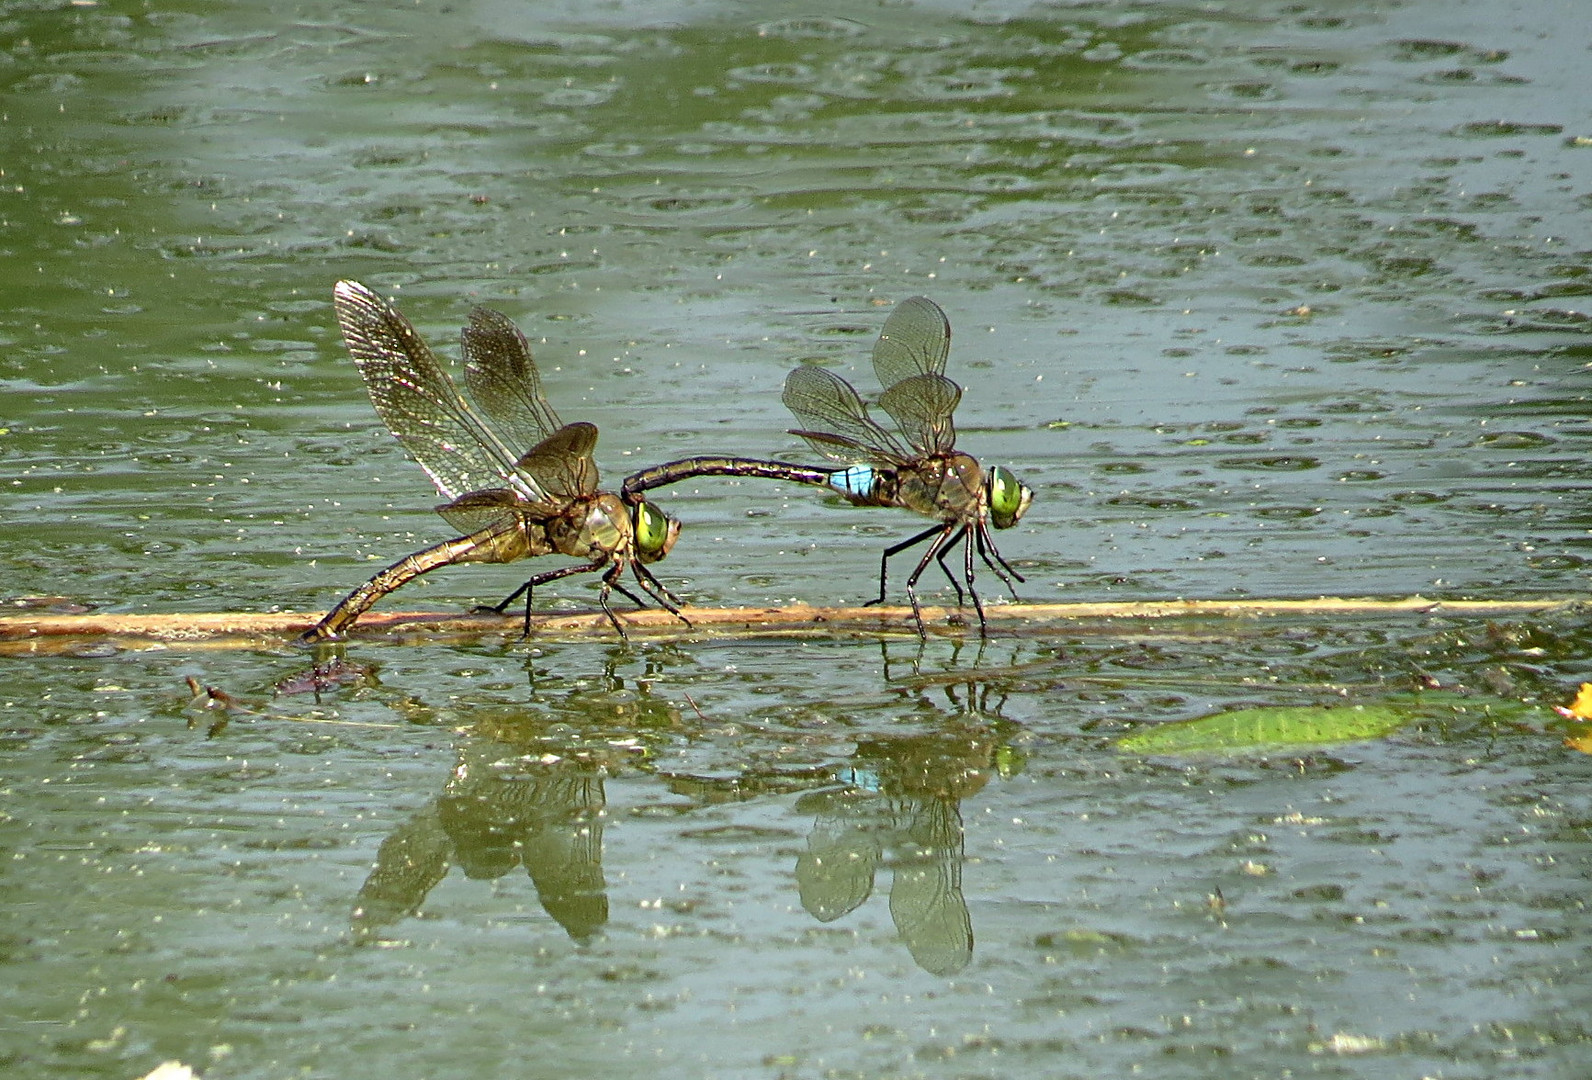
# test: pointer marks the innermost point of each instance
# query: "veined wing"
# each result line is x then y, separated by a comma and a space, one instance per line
475, 510
834, 421
926, 901
915, 340
502, 379
922, 406
419, 403
562, 464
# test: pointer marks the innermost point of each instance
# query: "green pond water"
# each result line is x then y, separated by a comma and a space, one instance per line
1263, 299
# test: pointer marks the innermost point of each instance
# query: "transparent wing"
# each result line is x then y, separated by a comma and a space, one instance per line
502, 379
475, 510
835, 874
409, 864
922, 406
834, 421
915, 340
926, 901
419, 403
562, 464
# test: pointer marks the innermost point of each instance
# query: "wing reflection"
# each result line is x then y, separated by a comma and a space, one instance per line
900, 810
545, 815
409, 865
528, 790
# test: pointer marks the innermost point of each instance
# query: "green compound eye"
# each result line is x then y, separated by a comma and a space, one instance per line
1008, 497
655, 532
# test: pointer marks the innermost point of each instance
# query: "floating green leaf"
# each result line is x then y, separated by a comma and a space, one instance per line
1271, 728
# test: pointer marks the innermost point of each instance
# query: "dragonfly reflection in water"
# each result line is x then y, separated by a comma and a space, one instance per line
510, 506
921, 470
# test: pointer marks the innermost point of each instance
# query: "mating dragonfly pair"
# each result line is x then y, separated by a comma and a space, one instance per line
511, 503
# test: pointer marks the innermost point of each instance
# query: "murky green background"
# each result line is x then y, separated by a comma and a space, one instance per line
1268, 299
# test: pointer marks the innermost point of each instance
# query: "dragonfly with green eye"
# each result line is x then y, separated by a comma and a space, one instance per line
920, 470
509, 505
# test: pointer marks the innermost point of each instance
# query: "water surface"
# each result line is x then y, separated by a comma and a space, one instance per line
1263, 299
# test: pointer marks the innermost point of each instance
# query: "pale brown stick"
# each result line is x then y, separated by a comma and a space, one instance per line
45, 634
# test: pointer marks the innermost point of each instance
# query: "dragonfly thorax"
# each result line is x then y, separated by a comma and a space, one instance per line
592, 528
945, 486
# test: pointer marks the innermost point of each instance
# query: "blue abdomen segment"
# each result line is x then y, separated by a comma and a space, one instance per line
857, 481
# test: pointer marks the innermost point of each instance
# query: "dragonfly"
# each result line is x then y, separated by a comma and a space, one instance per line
917, 467
508, 502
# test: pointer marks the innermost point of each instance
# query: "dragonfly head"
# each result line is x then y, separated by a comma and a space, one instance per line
1008, 497
655, 531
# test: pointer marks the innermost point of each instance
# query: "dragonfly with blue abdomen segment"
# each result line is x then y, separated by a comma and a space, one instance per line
920, 470
510, 505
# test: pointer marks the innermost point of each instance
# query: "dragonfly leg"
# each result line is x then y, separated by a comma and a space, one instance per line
935, 547
658, 591
503, 605
667, 600
523, 590
884, 560
611, 581
957, 585
529, 589
619, 587
614, 580
986, 548
967, 537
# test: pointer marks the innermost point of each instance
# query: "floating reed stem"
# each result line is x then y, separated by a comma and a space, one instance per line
48, 633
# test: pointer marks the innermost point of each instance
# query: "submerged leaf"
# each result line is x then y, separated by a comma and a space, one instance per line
1271, 728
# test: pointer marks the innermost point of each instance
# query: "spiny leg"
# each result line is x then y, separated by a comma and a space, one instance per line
641, 604
935, 546
986, 548
967, 568
987, 543
948, 575
966, 537
611, 581
884, 560
529, 589
503, 604
617, 586
657, 589
659, 592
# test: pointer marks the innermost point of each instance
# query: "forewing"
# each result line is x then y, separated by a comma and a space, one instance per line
502, 379
922, 406
562, 464
417, 400
915, 340
834, 420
